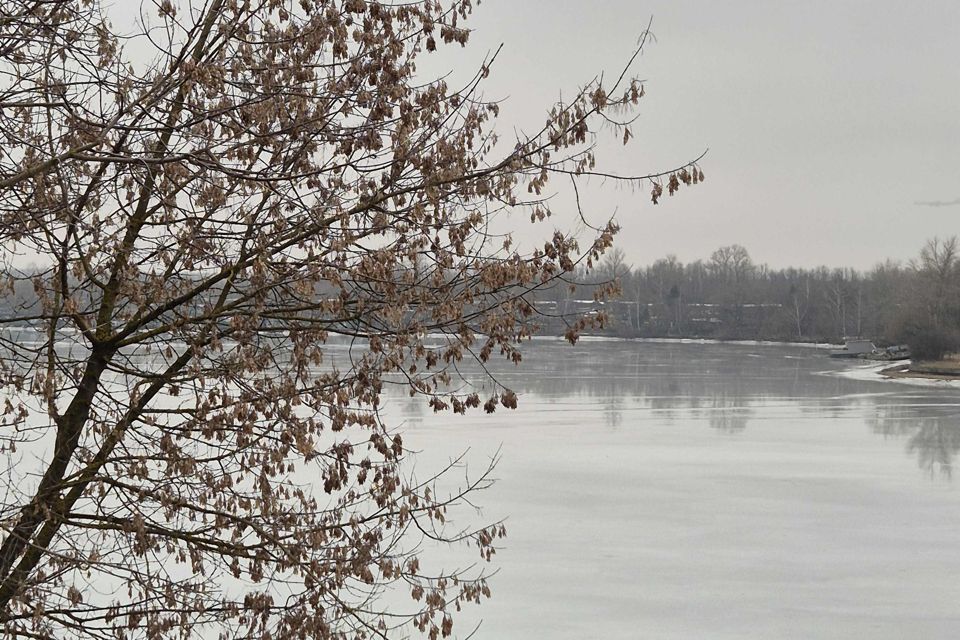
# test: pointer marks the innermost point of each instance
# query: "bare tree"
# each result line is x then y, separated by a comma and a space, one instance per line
614, 265
800, 301
213, 199
938, 268
732, 263
836, 295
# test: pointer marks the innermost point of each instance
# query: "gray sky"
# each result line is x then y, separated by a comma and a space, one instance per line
833, 127
827, 122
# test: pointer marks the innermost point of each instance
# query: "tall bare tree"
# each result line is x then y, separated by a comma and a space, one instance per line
938, 268
614, 265
211, 199
731, 263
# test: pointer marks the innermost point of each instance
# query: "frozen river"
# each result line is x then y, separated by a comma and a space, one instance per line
657, 490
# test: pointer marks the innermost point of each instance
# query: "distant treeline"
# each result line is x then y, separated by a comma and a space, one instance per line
727, 296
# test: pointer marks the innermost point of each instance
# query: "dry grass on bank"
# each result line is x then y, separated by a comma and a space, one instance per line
946, 369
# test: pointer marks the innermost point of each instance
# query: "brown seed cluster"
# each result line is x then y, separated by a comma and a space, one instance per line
238, 246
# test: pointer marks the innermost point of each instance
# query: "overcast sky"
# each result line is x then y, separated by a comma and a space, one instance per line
827, 122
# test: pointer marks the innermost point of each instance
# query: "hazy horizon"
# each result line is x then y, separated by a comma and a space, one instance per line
831, 127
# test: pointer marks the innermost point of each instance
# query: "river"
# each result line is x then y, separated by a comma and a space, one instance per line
671, 490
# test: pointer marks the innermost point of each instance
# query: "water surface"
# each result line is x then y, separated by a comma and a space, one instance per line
657, 490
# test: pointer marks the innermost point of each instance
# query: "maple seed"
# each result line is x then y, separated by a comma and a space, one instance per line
251, 223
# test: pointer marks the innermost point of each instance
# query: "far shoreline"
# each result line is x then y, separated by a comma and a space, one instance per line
942, 370
945, 370
599, 337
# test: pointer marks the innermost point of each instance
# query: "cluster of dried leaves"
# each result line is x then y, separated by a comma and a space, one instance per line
212, 199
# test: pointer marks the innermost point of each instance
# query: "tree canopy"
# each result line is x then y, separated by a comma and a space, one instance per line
209, 200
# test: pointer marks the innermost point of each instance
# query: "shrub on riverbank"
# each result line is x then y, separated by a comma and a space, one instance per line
930, 343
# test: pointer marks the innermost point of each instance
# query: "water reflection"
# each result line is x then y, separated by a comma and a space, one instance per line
613, 410
727, 387
729, 412
753, 490
932, 432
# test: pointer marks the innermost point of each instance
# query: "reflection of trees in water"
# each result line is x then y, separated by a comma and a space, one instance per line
680, 375
729, 412
936, 443
723, 384
721, 381
934, 438
613, 406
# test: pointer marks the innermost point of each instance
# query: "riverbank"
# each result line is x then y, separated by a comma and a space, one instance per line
948, 369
